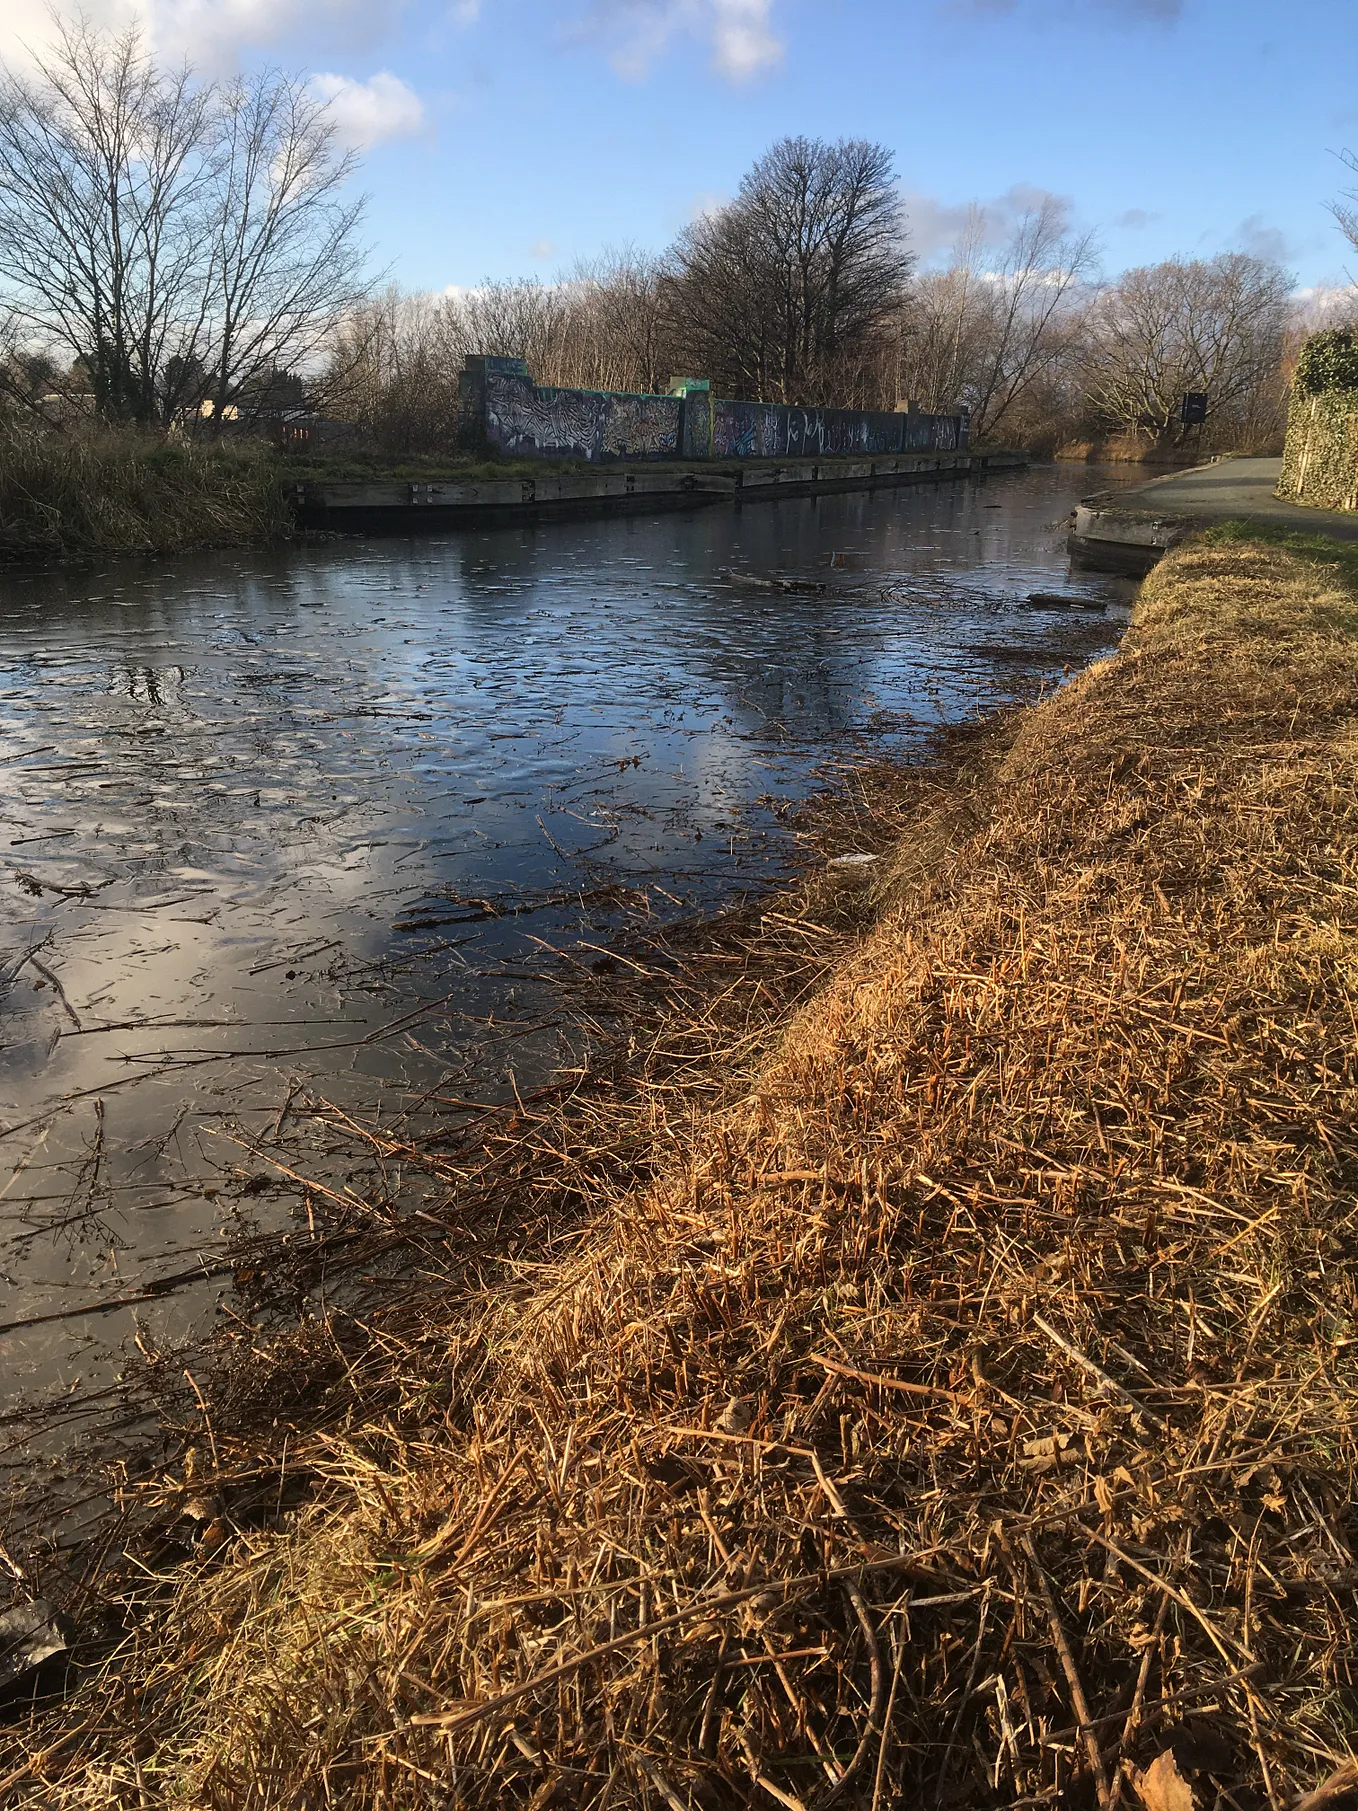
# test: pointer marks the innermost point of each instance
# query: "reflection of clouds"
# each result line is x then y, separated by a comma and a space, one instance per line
338, 733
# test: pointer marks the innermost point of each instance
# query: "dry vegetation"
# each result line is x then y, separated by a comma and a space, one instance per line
95, 493
958, 1411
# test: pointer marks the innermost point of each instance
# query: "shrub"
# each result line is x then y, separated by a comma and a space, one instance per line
1328, 362
104, 492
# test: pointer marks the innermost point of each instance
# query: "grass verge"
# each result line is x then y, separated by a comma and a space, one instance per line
93, 495
1339, 557
953, 1404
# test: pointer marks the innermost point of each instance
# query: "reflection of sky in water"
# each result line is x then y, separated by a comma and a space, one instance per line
234, 775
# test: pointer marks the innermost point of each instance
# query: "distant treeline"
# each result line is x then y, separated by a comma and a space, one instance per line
804, 289
176, 253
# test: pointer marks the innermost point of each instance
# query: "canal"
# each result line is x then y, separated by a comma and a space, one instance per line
318, 822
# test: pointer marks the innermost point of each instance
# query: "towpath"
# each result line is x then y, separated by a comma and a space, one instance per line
1233, 489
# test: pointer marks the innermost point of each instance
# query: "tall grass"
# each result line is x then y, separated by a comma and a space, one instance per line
94, 493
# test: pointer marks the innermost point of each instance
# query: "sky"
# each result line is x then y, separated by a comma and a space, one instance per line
509, 138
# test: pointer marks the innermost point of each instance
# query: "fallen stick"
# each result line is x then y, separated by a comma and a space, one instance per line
1079, 1703
886, 1383
1107, 1383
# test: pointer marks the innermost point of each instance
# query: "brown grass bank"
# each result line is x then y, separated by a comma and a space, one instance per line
965, 1415
95, 494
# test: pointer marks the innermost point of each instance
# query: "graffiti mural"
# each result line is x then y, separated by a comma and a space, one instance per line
504, 410
766, 430
527, 419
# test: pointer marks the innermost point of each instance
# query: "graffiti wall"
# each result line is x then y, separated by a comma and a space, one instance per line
759, 430
504, 411
528, 420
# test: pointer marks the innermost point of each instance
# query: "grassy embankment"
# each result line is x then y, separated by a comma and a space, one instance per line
962, 1413
95, 495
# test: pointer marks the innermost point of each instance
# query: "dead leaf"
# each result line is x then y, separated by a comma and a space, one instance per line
1162, 1787
738, 1415
1048, 1451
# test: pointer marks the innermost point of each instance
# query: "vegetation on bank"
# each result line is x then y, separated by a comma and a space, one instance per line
94, 494
942, 1392
1340, 558
98, 493
1320, 458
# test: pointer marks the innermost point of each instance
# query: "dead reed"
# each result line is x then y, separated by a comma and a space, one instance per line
89, 493
958, 1411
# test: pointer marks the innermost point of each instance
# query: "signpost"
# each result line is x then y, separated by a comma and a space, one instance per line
1193, 413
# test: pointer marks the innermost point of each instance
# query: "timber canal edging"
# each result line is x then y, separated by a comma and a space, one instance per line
368, 506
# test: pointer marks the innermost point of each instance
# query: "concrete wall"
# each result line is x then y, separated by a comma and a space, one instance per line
718, 428
504, 411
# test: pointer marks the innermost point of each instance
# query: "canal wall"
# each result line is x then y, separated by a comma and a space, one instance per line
503, 411
402, 507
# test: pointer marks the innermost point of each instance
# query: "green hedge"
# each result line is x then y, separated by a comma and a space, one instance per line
1320, 460
1328, 362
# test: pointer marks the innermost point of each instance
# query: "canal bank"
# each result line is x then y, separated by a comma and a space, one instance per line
404, 506
1129, 530
963, 1363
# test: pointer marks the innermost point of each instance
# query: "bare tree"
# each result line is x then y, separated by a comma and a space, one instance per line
1036, 296
393, 370
1345, 210
1000, 325
1213, 325
517, 320
778, 295
617, 329
173, 238
101, 185
285, 262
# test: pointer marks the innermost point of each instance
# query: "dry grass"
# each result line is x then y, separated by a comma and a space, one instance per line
959, 1412
93, 493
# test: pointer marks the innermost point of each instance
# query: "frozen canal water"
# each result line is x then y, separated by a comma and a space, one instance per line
315, 818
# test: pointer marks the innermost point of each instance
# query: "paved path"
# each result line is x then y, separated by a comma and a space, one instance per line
1235, 488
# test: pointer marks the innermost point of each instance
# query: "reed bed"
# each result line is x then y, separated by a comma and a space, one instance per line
948, 1403
89, 493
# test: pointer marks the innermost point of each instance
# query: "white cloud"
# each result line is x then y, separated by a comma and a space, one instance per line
541, 250
935, 226
212, 34
1136, 218
465, 12
366, 113
739, 34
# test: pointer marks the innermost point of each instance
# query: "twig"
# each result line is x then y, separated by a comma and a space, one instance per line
1109, 1384
885, 1383
1079, 1703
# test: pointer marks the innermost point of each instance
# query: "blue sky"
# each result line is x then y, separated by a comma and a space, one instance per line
509, 137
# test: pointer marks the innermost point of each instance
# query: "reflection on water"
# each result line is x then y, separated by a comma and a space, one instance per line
321, 816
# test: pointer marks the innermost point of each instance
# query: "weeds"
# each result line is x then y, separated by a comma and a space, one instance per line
95, 494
